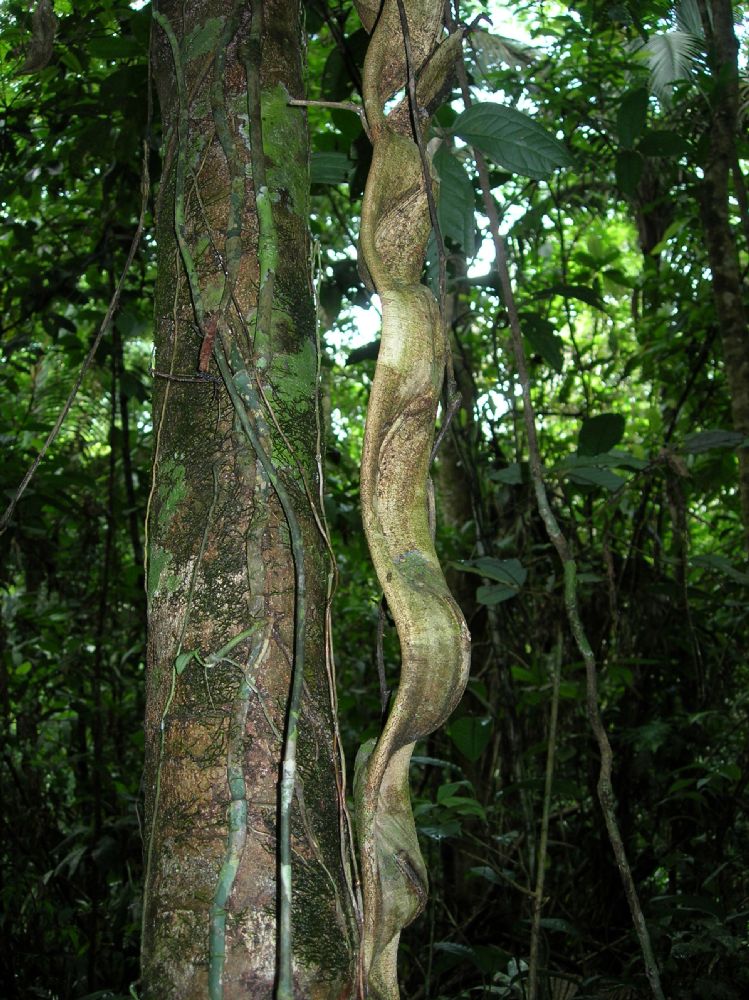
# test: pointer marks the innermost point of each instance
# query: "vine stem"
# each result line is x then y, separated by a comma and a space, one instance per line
559, 541
538, 894
451, 396
268, 253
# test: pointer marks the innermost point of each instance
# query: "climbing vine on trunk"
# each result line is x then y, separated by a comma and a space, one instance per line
398, 441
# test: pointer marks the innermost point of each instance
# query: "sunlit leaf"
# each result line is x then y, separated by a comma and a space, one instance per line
511, 139
456, 200
670, 57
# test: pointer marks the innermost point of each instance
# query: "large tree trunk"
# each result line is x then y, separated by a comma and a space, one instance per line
728, 287
221, 576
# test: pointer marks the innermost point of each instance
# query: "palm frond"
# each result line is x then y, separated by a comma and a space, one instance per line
670, 56
688, 18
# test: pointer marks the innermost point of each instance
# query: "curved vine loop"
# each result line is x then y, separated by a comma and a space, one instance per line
403, 404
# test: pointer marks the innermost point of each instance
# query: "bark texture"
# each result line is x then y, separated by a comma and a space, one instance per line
220, 574
397, 447
729, 288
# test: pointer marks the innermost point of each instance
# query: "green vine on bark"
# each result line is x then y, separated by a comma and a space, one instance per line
398, 441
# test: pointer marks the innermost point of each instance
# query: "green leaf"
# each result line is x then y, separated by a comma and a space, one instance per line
581, 292
114, 48
485, 872
183, 659
707, 440
203, 38
540, 334
511, 139
600, 433
470, 735
510, 572
441, 831
594, 476
491, 51
630, 119
628, 170
464, 806
449, 789
456, 200
512, 475
663, 143
330, 168
494, 594
670, 56
453, 948
721, 565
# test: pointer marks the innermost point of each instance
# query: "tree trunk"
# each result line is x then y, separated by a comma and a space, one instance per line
234, 290
728, 287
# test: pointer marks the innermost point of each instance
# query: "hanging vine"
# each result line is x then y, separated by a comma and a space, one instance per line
398, 441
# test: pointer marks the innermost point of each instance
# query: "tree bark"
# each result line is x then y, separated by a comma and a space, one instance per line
728, 287
220, 573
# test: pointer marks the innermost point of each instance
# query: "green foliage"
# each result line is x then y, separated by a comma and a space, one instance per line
635, 430
71, 588
513, 140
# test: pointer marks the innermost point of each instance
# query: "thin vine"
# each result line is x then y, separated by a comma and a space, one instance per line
559, 541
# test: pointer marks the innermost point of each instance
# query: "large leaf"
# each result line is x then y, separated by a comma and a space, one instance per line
330, 168
511, 139
590, 296
470, 735
593, 475
663, 143
600, 433
510, 575
509, 571
628, 169
720, 564
670, 57
707, 440
540, 334
630, 119
456, 198
491, 51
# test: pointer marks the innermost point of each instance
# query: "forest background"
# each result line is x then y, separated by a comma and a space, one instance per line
631, 286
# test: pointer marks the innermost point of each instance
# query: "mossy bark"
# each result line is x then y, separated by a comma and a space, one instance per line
219, 554
729, 287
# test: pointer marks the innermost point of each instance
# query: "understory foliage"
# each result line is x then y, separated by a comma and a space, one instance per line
607, 248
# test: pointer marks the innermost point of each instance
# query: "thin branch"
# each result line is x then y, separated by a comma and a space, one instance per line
298, 102
538, 901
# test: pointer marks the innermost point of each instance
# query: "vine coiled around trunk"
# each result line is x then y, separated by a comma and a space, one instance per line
398, 440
